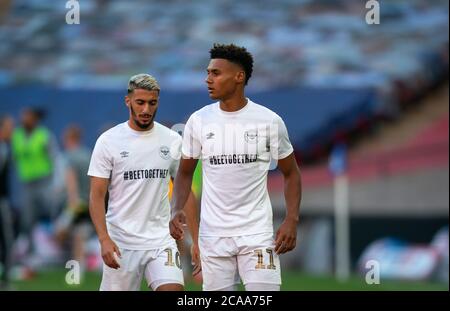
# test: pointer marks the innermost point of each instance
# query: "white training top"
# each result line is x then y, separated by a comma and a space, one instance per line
236, 149
139, 166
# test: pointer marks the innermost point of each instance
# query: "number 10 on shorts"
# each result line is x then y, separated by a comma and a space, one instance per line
170, 258
260, 264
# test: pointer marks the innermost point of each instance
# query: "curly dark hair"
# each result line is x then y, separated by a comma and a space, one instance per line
235, 54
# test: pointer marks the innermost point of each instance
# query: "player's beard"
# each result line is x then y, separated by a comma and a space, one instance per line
139, 124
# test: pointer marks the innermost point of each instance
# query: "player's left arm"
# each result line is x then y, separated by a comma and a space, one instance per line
286, 236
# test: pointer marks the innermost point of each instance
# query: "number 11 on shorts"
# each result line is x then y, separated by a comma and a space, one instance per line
260, 264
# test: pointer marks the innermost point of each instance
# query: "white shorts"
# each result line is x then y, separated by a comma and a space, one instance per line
250, 257
159, 266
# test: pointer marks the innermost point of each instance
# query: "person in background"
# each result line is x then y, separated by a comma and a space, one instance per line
74, 221
34, 152
6, 225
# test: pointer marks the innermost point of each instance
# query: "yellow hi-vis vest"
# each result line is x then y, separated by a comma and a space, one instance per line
31, 154
196, 182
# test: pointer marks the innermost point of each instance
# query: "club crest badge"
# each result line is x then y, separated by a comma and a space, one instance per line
164, 152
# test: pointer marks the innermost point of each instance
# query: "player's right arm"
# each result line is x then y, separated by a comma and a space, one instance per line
191, 208
99, 187
190, 151
181, 191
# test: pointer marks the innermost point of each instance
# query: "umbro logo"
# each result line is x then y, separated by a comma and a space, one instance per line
124, 154
210, 135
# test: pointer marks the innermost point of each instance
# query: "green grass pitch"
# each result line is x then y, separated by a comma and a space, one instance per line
54, 280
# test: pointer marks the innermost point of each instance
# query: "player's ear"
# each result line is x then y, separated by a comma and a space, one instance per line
127, 101
240, 77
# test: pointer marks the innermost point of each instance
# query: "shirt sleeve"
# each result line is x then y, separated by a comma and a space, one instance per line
191, 143
280, 145
101, 163
175, 153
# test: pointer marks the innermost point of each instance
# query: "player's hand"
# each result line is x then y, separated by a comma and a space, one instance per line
286, 237
176, 225
197, 275
109, 253
195, 254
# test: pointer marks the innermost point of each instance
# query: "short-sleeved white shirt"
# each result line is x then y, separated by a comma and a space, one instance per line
235, 149
139, 166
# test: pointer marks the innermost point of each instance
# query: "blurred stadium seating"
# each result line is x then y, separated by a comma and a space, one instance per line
315, 60
316, 43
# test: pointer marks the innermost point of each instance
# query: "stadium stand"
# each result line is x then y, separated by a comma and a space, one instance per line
316, 60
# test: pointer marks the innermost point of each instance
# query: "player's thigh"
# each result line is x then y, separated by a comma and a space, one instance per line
126, 278
169, 287
257, 260
164, 271
219, 265
219, 273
